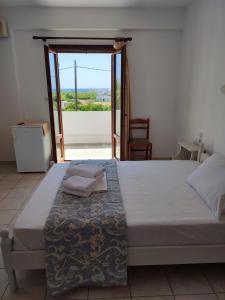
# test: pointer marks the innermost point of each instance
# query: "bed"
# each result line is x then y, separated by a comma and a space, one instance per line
168, 222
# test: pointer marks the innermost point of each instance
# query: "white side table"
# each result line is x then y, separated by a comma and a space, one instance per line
188, 151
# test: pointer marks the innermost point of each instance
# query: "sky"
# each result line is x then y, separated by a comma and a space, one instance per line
85, 78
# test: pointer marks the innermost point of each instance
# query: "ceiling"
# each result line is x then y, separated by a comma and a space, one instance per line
97, 3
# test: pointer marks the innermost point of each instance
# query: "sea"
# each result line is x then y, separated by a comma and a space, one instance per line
86, 90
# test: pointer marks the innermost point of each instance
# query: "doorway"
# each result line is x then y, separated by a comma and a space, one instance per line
85, 89
85, 92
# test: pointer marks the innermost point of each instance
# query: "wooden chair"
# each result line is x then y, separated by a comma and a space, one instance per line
140, 148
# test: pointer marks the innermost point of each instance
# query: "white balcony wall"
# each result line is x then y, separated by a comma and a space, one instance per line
87, 127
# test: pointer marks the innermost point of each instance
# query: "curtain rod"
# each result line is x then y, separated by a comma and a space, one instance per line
45, 38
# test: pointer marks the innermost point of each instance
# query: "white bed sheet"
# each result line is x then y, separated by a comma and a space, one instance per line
161, 209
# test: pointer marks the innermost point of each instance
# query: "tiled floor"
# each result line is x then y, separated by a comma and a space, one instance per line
197, 282
88, 151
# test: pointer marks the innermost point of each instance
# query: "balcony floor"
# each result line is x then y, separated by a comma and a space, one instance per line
88, 151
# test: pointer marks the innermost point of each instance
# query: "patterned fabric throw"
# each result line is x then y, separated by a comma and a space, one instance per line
86, 238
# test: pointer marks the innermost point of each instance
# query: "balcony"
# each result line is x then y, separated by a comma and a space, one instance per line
87, 134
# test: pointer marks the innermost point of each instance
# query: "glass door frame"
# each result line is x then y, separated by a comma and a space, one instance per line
65, 48
47, 51
118, 139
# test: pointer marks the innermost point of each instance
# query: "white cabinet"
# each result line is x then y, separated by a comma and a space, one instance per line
188, 151
32, 148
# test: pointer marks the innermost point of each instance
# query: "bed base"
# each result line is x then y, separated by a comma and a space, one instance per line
137, 256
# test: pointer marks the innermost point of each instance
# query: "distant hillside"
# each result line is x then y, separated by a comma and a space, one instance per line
100, 90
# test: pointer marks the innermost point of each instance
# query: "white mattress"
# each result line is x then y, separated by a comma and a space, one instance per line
161, 209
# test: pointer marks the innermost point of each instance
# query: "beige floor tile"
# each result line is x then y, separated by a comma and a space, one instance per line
3, 193
79, 293
11, 203
3, 282
34, 175
9, 181
14, 177
221, 296
216, 276
6, 216
112, 298
186, 280
27, 182
31, 286
3, 172
197, 297
109, 292
20, 192
7, 184
2, 175
8, 166
7, 169
148, 281
154, 298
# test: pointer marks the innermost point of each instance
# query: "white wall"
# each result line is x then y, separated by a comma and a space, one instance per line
201, 105
87, 127
154, 60
153, 55
10, 109
23, 18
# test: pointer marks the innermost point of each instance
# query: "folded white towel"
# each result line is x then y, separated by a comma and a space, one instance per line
79, 183
102, 184
80, 186
86, 170
76, 192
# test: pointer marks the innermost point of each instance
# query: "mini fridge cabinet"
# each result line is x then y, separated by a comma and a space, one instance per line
32, 145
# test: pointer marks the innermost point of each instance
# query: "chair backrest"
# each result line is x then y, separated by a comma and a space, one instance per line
139, 128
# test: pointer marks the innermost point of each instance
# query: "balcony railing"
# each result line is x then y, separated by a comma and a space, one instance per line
88, 127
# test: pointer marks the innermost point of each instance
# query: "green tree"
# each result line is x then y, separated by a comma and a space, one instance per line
87, 107
70, 96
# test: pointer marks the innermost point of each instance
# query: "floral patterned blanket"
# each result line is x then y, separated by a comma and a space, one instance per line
86, 238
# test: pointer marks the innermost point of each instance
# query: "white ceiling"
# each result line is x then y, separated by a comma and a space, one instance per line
97, 3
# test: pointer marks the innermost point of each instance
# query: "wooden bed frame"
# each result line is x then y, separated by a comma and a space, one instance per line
137, 256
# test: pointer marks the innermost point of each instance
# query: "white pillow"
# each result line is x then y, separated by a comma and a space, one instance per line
209, 182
